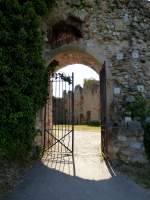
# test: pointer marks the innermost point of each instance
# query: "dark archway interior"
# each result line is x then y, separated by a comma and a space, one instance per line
64, 32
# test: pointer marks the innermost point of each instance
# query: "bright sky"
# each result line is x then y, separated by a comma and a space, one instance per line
80, 73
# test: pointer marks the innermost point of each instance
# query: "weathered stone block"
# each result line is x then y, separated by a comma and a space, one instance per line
135, 54
80, 14
119, 25
136, 145
122, 138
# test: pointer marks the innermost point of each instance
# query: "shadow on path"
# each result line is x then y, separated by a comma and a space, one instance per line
62, 162
43, 183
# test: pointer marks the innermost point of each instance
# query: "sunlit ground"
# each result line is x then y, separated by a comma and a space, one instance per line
88, 163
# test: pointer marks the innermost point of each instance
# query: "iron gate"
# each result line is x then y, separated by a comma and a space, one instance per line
103, 107
59, 115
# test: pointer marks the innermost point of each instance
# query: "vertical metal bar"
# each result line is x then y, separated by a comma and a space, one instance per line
101, 95
72, 113
52, 102
48, 109
68, 106
74, 170
66, 109
45, 127
62, 103
55, 109
59, 112
62, 132
102, 110
103, 98
105, 88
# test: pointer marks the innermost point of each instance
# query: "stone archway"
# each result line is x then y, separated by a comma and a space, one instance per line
73, 56
91, 32
83, 52
74, 53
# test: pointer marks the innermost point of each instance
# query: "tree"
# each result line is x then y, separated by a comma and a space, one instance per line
88, 82
23, 75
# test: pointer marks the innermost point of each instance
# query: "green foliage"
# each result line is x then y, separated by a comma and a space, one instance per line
147, 139
140, 109
23, 76
80, 5
94, 123
88, 82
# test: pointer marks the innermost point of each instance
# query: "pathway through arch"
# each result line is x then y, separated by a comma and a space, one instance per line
88, 162
92, 181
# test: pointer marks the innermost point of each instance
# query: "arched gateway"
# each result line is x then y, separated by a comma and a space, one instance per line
98, 32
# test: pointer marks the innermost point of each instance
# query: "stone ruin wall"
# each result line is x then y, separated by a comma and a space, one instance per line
117, 31
87, 99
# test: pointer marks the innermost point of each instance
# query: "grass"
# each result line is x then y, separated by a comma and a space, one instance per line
140, 173
90, 128
84, 128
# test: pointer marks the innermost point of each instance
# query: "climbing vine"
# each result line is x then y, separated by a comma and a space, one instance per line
23, 75
140, 110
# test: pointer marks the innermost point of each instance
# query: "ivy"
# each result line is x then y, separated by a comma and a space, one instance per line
140, 109
23, 75
147, 139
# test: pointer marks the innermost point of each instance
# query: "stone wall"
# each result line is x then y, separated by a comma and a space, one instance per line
78, 105
91, 94
87, 103
126, 142
115, 31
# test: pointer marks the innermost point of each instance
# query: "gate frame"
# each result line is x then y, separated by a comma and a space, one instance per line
48, 131
103, 111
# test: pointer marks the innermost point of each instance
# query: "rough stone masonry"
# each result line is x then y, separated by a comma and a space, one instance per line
118, 32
